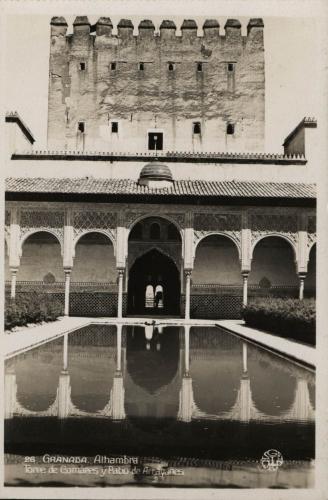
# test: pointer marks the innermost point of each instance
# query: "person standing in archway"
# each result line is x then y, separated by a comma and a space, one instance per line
159, 297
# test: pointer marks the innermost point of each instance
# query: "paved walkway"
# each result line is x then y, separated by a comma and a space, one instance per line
299, 352
25, 338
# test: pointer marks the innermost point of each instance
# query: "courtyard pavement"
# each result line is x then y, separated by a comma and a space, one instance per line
25, 338
292, 349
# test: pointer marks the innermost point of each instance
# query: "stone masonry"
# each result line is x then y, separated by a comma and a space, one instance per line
156, 82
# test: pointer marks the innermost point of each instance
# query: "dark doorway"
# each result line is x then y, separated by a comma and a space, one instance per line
154, 285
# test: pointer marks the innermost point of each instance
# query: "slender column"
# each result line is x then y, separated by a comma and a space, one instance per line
186, 400
188, 284
245, 287
65, 351
67, 289
13, 282
64, 395
117, 397
64, 385
120, 293
14, 248
302, 244
244, 357
119, 348
187, 344
301, 277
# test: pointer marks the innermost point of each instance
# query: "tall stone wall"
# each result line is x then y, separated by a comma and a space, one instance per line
156, 82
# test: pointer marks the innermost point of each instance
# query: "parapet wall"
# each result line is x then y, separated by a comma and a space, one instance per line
156, 81
167, 29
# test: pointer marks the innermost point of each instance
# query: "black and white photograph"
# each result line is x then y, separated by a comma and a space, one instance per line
164, 259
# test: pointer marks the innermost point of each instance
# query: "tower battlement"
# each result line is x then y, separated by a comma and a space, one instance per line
146, 27
110, 91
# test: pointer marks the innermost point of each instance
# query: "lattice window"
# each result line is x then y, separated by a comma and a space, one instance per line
42, 220
205, 224
265, 224
217, 222
93, 221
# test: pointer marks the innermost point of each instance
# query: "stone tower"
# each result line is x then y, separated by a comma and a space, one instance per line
156, 91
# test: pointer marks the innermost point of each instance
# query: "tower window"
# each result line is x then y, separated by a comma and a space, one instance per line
230, 129
141, 66
113, 66
155, 141
81, 127
114, 127
171, 66
199, 67
196, 128
231, 67
82, 66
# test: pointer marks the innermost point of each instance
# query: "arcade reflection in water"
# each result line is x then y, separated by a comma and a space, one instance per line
187, 391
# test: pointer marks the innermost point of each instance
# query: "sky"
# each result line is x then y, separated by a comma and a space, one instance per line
292, 69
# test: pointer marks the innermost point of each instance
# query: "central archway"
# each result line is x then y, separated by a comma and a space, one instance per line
154, 285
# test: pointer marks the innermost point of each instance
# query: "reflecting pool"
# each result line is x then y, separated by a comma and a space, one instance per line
158, 405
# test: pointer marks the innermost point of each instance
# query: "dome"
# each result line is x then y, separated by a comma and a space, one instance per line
155, 172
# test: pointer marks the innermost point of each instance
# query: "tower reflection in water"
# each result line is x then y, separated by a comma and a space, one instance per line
146, 376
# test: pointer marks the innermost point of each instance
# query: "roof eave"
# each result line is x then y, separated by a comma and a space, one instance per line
162, 198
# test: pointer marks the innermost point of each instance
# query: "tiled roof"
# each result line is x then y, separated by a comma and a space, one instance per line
91, 185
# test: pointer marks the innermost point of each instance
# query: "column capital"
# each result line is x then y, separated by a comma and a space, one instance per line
245, 273
68, 269
187, 271
120, 270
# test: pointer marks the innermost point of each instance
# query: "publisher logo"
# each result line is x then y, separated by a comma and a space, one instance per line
271, 460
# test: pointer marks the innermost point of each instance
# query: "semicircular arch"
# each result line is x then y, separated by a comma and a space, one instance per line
36, 231
218, 233
108, 235
157, 216
274, 235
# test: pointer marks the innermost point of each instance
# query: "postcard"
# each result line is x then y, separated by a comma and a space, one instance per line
165, 255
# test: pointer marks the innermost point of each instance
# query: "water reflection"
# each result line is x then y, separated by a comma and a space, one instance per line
184, 374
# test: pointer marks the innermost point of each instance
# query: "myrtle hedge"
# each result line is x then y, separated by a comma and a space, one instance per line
33, 307
291, 318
